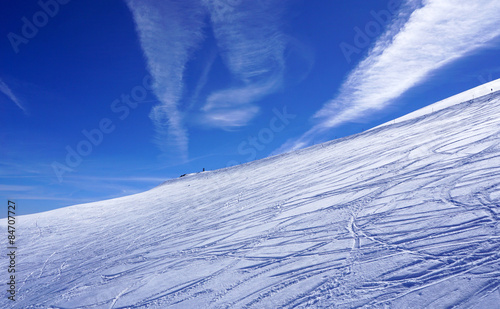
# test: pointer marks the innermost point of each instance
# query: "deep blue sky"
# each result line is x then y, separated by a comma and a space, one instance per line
220, 71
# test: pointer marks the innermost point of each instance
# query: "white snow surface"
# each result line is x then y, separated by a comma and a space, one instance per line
405, 215
473, 93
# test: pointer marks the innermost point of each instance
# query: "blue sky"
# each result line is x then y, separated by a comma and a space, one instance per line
100, 99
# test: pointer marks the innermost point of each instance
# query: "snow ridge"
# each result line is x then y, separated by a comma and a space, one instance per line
471, 94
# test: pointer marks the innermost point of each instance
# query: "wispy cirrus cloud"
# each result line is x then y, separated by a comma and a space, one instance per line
8, 92
436, 33
250, 41
169, 31
252, 44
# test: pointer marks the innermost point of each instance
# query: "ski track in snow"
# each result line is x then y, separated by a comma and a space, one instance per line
405, 215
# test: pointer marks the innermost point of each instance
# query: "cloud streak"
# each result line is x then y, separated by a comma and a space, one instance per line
249, 39
252, 45
436, 33
169, 32
15, 188
8, 92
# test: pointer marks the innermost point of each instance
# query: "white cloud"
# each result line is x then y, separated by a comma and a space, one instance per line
8, 92
252, 45
437, 33
231, 117
203, 79
249, 40
233, 107
169, 31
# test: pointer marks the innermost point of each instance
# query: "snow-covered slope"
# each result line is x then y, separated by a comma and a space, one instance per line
470, 94
402, 216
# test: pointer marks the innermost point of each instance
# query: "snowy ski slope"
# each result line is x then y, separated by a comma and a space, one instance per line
405, 215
